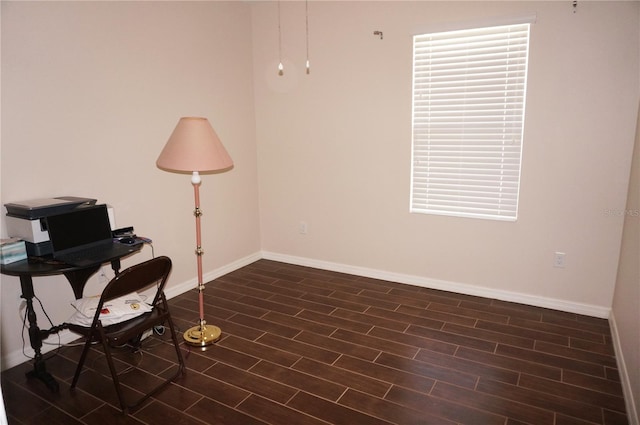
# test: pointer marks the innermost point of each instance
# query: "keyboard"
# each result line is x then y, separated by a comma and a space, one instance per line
95, 254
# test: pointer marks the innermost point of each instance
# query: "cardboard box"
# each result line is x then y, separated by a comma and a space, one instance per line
12, 250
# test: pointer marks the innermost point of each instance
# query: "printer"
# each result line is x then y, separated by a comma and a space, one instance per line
26, 220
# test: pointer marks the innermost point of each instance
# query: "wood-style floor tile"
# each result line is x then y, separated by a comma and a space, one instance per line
455, 409
389, 411
355, 380
306, 346
516, 409
275, 413
331, 412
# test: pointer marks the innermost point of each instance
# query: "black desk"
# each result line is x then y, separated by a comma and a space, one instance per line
77, 277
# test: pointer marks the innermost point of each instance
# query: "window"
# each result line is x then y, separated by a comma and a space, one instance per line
469, 91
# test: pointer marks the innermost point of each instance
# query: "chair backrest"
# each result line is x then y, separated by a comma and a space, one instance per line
138, 278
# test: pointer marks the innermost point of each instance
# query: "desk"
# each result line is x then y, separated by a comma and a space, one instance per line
26, 270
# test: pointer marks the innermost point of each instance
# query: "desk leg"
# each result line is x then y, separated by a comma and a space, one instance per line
35, 337
78, 279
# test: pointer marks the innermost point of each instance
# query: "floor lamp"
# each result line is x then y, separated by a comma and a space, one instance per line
195, 147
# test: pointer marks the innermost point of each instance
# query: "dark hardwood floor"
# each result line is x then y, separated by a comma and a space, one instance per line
306, 346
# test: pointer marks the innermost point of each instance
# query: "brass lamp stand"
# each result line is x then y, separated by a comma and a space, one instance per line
201, 334
195, 147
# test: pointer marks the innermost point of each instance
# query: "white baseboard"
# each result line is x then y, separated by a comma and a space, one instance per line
183, 287
16, 357
627, 390
462, 288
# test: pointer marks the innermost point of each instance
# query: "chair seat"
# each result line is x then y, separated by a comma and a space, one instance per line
124, 331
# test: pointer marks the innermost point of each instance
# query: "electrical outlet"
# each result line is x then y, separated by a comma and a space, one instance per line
102, 278
559, 260
303, 228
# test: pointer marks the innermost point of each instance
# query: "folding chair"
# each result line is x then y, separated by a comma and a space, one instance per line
133, 279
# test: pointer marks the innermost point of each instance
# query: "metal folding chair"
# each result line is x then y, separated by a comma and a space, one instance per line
133, 279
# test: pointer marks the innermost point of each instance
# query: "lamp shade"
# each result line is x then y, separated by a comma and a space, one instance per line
194, 146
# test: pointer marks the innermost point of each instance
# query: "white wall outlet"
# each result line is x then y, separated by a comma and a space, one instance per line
303, 228
102, 278
559, 259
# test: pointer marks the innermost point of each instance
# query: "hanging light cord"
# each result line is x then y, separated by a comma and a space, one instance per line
306, 12
280, 66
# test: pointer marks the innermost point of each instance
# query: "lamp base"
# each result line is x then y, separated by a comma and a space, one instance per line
202, 335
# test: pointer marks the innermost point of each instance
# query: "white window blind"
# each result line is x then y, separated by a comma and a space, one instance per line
469, 91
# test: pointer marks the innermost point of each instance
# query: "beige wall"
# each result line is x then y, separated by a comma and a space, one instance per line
625, 315
334, 148
85, 84
91, 92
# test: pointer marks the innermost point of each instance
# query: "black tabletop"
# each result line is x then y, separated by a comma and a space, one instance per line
48, 266
37, 266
